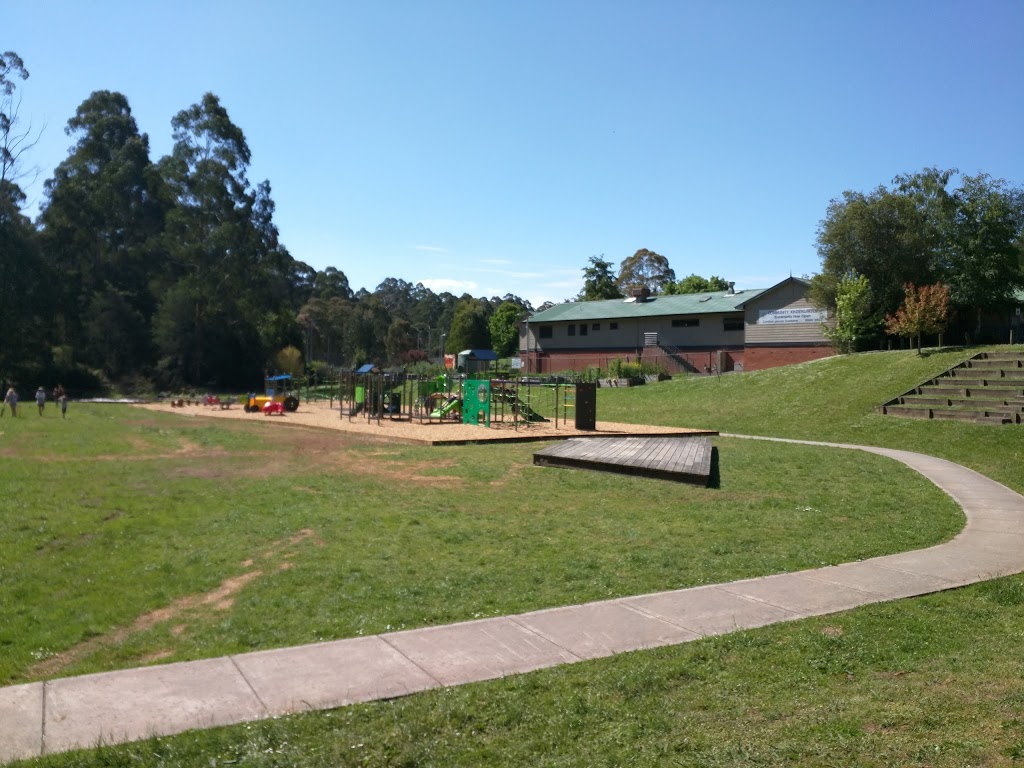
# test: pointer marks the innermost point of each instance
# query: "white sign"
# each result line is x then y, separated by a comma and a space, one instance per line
791, 315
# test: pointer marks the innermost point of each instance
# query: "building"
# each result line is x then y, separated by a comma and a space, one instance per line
699, 332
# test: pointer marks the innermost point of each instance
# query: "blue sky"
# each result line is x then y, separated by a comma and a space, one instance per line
494, 147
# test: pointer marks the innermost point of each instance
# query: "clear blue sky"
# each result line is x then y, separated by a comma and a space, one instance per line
494, 147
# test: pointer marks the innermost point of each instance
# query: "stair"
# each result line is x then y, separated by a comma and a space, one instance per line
987, 389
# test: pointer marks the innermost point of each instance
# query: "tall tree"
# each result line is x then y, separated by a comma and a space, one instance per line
599, 282
101, 224
15, 140
24, 299
921, 232
988, 226
228, 264
400, 342
645, 269
884, 237
469, 328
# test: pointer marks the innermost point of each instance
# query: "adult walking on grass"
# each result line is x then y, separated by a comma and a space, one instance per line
41, 399
11, 399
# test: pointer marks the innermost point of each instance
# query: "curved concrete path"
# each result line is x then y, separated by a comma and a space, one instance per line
113, 707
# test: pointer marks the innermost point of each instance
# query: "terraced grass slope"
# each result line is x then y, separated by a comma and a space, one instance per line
833, 399
988, 388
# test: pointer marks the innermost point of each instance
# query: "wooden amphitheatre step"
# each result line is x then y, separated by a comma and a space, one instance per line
988, 388
981, 415
992, 401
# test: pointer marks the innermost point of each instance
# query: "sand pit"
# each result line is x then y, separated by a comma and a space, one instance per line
322, 416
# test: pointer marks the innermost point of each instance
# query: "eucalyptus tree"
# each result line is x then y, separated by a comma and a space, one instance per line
227, 264
15, 139
101, 226
645, 269
24, 299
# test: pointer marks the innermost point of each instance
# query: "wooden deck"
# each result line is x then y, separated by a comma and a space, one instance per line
682, 459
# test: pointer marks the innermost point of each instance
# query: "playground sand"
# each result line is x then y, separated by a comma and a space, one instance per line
322, 416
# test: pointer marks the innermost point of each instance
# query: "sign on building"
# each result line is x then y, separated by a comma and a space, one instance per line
791, 315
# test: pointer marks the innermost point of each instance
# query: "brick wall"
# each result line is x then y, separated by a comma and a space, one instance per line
758, 358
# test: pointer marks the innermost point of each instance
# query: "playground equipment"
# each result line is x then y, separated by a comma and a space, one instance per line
376, 395
278, 390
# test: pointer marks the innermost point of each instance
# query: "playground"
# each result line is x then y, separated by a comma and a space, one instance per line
447, 409
324, 415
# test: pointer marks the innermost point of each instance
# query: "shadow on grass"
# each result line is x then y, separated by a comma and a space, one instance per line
714, 477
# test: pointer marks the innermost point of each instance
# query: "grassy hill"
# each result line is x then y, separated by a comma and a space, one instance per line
932, 681
833, 399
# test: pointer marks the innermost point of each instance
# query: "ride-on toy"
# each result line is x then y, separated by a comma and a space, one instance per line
277, 391
272, 408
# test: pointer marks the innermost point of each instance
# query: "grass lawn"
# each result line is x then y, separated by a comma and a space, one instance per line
166, 539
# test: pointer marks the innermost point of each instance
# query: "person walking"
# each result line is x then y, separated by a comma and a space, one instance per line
11, 399
60, 396
41, 399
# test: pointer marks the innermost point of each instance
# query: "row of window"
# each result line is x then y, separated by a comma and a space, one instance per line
728, 324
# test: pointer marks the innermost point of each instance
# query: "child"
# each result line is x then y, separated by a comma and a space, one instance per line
61, 397
41, 399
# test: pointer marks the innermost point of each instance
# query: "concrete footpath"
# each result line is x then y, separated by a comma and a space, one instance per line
113, 707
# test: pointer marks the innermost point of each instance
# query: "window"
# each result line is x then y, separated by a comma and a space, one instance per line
572, 329
545, 331
732, 323
685, 322
583, 329
613, 326
597, 326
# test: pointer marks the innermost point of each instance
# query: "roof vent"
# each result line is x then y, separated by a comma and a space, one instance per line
732, 288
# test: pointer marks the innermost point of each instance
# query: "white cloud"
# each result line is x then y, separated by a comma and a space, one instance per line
442, 284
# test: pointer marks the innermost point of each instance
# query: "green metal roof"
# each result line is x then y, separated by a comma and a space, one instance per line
656, 306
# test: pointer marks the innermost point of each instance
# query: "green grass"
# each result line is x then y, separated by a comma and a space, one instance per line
251, 537
931, 681
833, 399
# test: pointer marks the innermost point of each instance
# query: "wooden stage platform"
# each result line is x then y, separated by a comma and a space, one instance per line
682, 459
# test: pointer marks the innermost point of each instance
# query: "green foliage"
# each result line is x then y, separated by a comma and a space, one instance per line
400, 341
921, 232
698, 284
854, 322
599, 282
469, 329
504, 329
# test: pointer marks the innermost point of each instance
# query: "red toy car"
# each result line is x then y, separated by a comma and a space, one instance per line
269, 408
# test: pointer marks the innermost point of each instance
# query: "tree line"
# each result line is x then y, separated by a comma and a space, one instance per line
170, 272
645, 269
926, 240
